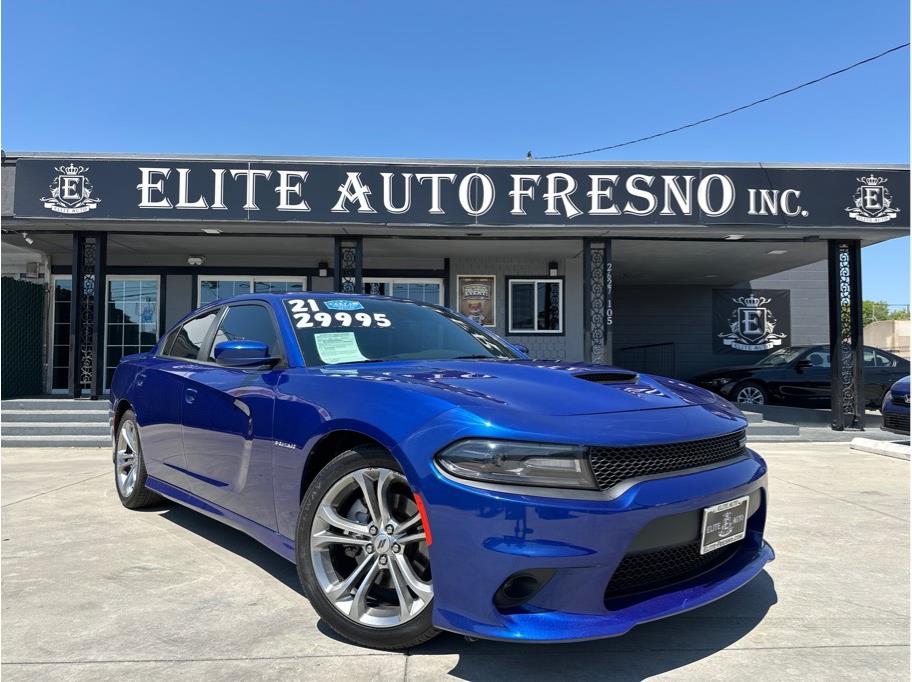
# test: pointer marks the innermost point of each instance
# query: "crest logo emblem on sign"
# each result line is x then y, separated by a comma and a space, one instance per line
71, 191
872, 201
752, 325
727, 525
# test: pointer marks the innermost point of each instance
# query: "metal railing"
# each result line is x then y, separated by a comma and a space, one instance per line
651, 358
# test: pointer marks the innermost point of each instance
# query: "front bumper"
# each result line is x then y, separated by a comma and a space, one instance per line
895, 414
895, 421
483, 537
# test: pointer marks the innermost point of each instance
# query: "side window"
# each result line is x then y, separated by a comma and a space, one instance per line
819, 358
246, 322
870, 359
882, 360
169, 341
190, 336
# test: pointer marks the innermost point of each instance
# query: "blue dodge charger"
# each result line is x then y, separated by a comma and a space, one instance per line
424, 474
895, 408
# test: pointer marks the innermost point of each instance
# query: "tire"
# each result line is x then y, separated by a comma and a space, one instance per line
129, 468
750, 393
356, 585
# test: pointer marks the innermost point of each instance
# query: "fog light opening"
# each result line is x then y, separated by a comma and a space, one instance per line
521, 587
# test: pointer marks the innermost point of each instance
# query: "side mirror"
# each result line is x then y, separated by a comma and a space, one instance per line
802, 365
521, 348
243, 354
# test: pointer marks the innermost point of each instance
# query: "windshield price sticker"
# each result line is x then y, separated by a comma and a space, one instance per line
338, 347
307, 314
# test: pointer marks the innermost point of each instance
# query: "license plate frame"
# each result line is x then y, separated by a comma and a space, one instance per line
724, 524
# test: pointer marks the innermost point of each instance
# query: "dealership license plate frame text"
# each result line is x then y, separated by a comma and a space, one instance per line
724, 524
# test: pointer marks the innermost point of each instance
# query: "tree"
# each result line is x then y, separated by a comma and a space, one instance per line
876, 311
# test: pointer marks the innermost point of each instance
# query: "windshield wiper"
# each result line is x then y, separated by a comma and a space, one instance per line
479, 357
358, 362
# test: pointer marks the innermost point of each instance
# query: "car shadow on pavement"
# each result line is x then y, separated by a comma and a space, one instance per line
647, 650
234, 541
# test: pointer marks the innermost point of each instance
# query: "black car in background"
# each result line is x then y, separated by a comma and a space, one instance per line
800, 375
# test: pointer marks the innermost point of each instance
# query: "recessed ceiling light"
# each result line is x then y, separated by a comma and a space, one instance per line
212, 230
777, 252
710, 276
733, 237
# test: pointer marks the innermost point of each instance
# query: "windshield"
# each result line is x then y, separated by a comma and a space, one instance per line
334, 331
783, 356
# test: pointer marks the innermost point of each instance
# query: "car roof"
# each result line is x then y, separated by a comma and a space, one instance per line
311, 294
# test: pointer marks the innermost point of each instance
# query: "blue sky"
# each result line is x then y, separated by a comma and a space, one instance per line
470, 79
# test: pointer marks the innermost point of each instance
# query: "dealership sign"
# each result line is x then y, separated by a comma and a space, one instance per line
453, 194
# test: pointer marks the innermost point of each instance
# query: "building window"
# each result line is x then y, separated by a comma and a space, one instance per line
214, 288
60, 332
413, 289
535, 306
132, 318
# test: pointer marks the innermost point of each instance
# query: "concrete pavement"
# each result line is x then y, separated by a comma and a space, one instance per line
93, 591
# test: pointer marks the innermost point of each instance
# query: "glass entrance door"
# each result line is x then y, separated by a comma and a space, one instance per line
62, 293
132, 318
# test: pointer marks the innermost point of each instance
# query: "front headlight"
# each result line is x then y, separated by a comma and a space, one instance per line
541, 464
721, 381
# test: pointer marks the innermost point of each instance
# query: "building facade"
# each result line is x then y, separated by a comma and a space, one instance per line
669, 268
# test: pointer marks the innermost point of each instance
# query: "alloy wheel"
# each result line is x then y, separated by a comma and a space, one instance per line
369, 550
750, 395
126, 458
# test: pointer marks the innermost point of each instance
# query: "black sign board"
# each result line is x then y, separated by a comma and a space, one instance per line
751, 320
458, 195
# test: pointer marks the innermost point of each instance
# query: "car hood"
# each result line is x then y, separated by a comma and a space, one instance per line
901, 388
537, 387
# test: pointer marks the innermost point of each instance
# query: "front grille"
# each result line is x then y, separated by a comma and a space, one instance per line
611, 465
898, 422
899, 400
649, 570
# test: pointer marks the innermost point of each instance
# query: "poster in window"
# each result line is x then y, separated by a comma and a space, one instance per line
751, 320
476, 298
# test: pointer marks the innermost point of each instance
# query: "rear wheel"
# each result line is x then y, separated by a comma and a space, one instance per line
750, 393
362, 553
129, 468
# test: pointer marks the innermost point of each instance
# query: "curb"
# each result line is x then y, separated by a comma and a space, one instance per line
898, 450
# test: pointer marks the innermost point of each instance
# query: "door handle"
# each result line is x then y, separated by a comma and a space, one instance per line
189, 395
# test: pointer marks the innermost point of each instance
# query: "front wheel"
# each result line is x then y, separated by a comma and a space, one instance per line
750, 394
362, 553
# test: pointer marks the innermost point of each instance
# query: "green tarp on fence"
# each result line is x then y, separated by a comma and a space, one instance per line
21, 320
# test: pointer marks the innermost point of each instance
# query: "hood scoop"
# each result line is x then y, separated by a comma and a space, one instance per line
613, 377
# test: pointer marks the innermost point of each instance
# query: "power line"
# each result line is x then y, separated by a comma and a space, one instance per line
730, 111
